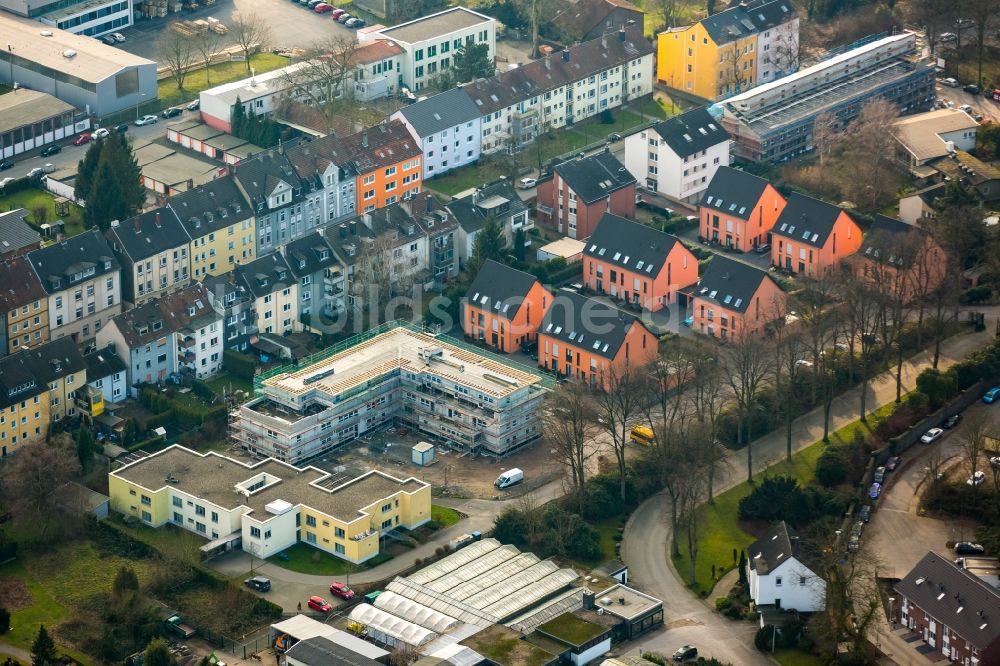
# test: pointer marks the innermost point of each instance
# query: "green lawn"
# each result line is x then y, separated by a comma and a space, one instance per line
464, 178
168, 540
797, 657
444, 515
69, 577
306, 559
222, 72
31, 199
226, 381
719, 530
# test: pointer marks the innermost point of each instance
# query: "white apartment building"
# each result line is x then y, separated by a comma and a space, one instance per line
678, 157
275, 292
562, 88
447, 127
152, 248
106, 372
199, 342
82, 278
777, 43
429, 43
90, 17
778, 576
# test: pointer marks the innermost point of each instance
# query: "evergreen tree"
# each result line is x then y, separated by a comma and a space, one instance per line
126, 168
86, 170
238, 118
490, 243
85, 447
43, 650
520, 250
472, 62
158, 654
105, 202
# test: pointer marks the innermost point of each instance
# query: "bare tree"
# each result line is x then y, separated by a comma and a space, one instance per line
975, 439
785, 52
207, 43
934, 468
379, 279
176, 51
861, 311
929, 14
707, 398
692, 494
665, 10
826, 135
735, 68
818, 320
29, 479
537, 12
982, 12
326, 74
789, 345
852, 599
251, 32
570, 426
617, 407
871, 144
746, 364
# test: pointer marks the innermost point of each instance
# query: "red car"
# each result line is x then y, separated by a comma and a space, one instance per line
319, 604
338, 589
82, 139
322, 8
337, 13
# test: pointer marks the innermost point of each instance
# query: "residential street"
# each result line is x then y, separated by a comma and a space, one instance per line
644, 549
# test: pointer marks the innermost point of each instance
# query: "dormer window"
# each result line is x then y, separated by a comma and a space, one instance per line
107, 265
157, 325
324, 255
190, 310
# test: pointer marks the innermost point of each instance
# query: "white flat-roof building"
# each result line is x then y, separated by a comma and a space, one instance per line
29, 119
430, 43
90, 17
81, 71
426, 382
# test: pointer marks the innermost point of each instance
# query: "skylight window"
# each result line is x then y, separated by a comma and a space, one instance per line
605, 348
639, 265
617, 256
805, 235
601, 252
743, 210
572, 335
597, 344
783, 225
728, 299
712, 126
496, 306
548, 329
708, 199
558, 330
476, 297
625, 260
738, 302
713, 293
703, 131
483, 300
649, 268
593, 247
506, 307
791, 229
732, 207
815, 238
688, 137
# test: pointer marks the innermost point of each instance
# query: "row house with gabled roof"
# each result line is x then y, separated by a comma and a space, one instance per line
504, 307
733, 299
24, 307
811, 237
153, 250
274, 292
738, 210
285, 206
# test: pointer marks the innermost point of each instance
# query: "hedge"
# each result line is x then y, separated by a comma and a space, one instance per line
202, 390
160, 420
19, 185
241, 365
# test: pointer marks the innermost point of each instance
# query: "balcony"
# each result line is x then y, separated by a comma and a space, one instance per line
90, 401
187, 343
542, 208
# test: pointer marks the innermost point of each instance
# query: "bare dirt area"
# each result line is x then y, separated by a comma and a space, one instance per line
14, 594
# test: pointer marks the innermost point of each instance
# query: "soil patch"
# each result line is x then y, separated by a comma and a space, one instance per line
14, 594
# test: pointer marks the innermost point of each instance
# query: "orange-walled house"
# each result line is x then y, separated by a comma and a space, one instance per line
901, 257
388, 161
637, 263
811, 237
504, 307
591, 342
579, 191
738, 210
734, 299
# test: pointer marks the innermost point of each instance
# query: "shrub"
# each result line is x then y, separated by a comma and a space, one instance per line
722, 603
767, 637
977, 294
4, 620
655, 658
160, 420
831, 468
781, 498
202, 390
938, 386
240, 365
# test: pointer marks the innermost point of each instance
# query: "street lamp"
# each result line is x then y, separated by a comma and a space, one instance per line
138, 104
892, 613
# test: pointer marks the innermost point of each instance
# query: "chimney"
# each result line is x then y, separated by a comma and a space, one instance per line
157, 220
588, 601
343, 231
565, 55
364, 140
354, 228
621, 601
135, 223
621, 35
190, 183
604, 41
548, 62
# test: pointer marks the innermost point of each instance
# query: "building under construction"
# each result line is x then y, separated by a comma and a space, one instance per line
395, 375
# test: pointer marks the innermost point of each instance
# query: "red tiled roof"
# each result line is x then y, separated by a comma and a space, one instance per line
19, 284
381, 145
375, 51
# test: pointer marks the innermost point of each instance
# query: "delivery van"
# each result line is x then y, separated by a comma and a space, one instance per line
642, 435
509, 478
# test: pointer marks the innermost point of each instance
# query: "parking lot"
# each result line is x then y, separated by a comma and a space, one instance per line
291, 25
980, 104
897, 534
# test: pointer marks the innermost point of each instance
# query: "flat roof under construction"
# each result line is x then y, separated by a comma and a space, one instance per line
401, 348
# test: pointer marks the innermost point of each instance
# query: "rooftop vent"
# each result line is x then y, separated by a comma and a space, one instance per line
45, 33
69, 53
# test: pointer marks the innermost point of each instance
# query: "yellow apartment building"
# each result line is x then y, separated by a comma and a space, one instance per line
37, 387
220, 223
268, 506
24, 306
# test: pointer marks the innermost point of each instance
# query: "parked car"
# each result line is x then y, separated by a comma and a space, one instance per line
763, 248
194, 106
951, 421
101, 133
689, 321
931, 436
965, 23
892, 463
804, 363
121, 127
146, 120
875, 491
341, 590
109, 40
685, 653
172, 112
319, 604
322, 8
977, 479
337, 13
879, 475
614, 137
865, 514
4, 181
312, 3
82, 139
118, 37
527, 183
971, 88
258, 583
990, 397
6, 164
966, 108
950, 82
360, 24
969, 548
51, 149
344, 18
352, 23
854, 543
995, 461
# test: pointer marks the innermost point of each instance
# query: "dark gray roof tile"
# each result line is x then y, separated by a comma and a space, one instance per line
730, 283
500, 289
691, 132
595, 177
587, 323
635, 247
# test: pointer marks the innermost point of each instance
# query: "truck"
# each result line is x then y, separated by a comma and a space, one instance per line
509, 478
175, 624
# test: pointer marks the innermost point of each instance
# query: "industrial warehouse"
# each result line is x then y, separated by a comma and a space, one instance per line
396, 374
459, 607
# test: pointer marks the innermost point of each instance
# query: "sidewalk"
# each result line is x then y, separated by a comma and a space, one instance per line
808, 428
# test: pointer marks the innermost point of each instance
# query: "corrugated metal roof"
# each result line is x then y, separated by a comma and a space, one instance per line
505, 588
568, 601
506, 570
441, 602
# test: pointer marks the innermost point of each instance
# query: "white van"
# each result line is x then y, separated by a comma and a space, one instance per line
509, 478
